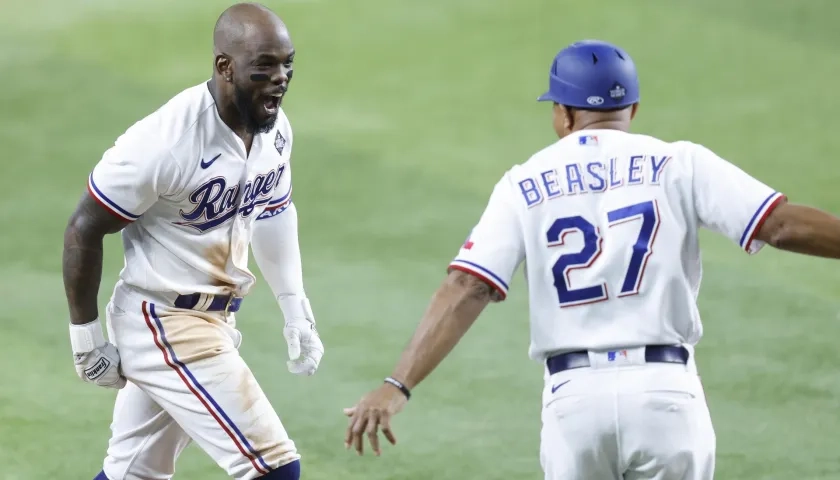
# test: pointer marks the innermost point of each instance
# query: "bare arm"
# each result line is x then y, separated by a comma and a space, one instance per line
802, 229
82, 257
452, 311
477, 276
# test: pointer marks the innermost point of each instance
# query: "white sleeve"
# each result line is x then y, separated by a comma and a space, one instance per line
495, 247
132, 175
275, 243
277, 253
728, 200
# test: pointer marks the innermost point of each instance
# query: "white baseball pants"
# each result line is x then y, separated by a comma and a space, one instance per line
623, 419
187, 382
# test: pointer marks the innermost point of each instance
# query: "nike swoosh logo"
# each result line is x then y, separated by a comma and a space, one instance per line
207, 164
556, 387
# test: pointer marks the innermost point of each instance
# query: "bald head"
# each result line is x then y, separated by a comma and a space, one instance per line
253, 63
246, 25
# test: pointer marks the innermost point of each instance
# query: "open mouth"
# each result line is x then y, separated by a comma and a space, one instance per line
271, 103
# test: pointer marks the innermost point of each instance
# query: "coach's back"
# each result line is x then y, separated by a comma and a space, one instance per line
606, 222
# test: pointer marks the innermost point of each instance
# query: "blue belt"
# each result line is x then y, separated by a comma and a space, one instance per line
227, 303
653, 354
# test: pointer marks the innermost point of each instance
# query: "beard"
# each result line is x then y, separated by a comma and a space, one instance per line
249, 112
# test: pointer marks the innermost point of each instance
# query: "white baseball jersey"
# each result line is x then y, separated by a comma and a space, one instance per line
183, 179
606, 223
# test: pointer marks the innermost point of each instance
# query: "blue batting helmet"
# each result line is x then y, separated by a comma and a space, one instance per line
592, 75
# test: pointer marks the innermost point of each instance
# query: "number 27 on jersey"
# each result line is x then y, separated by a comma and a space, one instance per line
645, 214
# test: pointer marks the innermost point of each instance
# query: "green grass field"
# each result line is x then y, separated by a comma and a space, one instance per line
405, 115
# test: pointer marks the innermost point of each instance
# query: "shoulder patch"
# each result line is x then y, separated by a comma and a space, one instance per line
279, 142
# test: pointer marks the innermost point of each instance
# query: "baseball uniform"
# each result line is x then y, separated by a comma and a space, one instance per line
606, 224
196, 201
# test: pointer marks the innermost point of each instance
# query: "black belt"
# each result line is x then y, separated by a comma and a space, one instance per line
653, 354
208, 303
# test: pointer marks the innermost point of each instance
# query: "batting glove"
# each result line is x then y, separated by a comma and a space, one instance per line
97, 361
305, 347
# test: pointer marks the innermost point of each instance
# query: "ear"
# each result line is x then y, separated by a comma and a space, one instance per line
568, 118
633, 110
224, 67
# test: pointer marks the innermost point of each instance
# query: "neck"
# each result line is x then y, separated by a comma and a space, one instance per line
229, 113
603, 125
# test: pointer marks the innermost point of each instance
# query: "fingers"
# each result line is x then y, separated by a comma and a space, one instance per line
348, 435
360, 422
293, 341
101, 367
358, 428
366, 422
372, 431
373, 412
303, 366
386, 428
305, 351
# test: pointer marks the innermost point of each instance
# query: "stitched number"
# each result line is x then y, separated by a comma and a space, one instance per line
647, 212
573, 261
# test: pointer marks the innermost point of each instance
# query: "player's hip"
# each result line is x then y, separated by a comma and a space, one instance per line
212, 304
149, 332
624, 371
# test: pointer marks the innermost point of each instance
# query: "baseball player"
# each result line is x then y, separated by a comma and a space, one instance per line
191, 187
606, 222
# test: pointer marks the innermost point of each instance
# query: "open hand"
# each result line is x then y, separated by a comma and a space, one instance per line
374, 410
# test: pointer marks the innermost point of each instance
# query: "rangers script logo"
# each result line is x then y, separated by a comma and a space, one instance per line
216, 203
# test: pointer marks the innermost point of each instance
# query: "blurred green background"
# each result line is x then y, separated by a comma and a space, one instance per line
405, 115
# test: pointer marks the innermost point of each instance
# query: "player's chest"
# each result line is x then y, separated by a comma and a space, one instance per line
226, 187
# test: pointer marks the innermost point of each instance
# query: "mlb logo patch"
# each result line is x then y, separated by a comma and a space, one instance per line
588, 140
612, 355
279, 143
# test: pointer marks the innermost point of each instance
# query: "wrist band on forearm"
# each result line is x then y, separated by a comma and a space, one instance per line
393, 381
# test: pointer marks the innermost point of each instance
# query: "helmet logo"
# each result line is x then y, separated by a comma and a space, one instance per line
617, 92
595, 100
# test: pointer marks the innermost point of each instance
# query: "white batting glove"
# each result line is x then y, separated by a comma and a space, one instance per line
305, 347
97, 361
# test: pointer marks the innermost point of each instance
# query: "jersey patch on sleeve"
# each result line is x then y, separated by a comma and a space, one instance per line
273, 212
277, 206
468, 243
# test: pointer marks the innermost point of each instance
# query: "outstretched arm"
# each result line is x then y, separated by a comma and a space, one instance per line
82, 257
453, 309
477, 276
802, 229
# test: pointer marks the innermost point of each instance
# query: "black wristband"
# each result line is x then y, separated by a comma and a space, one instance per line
393, 381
